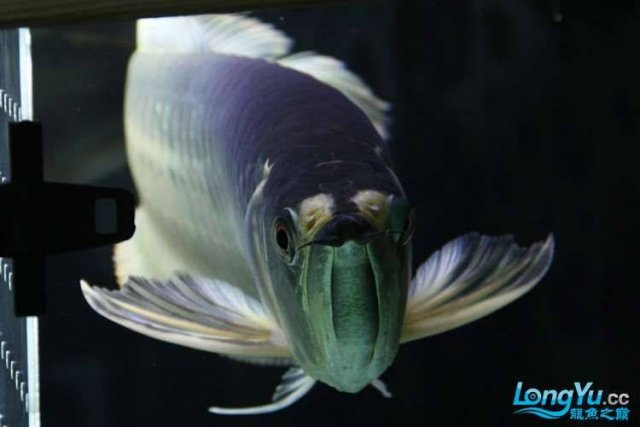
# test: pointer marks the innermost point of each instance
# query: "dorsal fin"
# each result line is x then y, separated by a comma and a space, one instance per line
242, 35
226, 34
336, 74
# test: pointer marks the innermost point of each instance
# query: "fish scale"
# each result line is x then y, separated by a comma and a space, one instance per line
179, 188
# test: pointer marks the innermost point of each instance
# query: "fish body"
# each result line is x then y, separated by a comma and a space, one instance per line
206, 134
272, 227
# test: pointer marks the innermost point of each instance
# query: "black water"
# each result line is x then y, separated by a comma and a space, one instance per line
509, 117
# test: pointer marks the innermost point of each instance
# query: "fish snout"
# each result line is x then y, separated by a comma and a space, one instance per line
344, 227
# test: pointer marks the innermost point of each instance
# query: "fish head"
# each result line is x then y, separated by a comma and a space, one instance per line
338, 283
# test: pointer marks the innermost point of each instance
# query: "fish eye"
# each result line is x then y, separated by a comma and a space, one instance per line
282, 237
401, 220
283, 240
408, 229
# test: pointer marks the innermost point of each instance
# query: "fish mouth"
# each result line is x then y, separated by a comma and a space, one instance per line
352, 302
343, 315
354, 296
354, 316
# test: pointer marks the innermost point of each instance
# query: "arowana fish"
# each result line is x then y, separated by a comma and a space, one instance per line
272, 227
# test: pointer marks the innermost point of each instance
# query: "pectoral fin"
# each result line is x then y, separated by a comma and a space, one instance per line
200, 313
469, 278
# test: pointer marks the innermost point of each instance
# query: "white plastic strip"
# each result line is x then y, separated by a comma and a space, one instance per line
32, 394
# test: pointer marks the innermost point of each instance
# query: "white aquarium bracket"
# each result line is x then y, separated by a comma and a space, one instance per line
19, 364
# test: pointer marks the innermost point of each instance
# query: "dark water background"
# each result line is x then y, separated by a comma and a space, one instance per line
515, 116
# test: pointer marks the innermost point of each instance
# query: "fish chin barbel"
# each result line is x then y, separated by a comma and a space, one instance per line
271, 227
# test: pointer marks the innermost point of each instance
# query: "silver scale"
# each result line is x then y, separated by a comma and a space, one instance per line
19, 376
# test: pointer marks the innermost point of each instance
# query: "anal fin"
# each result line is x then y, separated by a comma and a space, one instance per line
294, 386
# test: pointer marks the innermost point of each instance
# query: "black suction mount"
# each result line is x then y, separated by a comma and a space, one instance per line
39, 218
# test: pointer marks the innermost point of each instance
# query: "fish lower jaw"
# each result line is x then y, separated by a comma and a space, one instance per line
350, 387
344, 379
